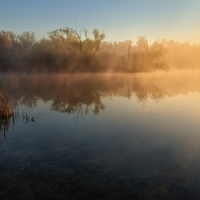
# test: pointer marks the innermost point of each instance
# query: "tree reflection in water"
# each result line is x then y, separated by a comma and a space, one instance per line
79, 99
81, 94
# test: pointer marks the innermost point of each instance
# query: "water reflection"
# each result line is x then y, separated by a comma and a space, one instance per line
74, 94
82, 93
78, 98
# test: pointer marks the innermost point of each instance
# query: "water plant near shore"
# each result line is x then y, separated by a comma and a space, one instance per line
6, 113
29, 118
6, 108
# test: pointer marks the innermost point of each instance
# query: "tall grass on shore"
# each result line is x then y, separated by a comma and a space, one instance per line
6, 108
6, 113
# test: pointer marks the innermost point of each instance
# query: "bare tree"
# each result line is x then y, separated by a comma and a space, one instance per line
78, 43
148, 56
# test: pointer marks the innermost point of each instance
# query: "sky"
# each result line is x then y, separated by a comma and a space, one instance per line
119, 19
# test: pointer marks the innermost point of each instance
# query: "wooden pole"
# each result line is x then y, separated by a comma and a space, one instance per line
128, 57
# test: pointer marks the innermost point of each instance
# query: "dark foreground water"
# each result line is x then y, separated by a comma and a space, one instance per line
102, 137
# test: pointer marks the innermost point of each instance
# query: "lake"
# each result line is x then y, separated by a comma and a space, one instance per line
105, 136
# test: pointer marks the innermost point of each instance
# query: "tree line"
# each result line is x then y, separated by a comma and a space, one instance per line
76, 50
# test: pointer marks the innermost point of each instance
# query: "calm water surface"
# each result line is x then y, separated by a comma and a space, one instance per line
102, 137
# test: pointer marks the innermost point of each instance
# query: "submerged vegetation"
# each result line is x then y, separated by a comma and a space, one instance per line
76, 50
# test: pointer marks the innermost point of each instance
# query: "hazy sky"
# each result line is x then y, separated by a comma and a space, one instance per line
120, 19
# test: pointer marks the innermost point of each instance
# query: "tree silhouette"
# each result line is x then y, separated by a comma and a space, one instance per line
147, 57
79, 44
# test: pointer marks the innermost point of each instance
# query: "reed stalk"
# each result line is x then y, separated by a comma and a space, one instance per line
6, 112
6, 108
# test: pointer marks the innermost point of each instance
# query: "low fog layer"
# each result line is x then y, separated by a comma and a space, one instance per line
69, 93
71, 50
